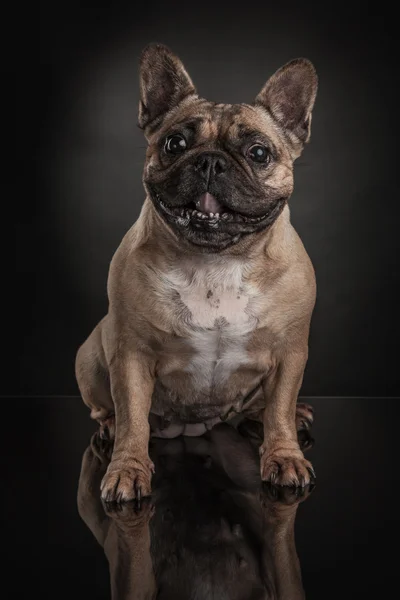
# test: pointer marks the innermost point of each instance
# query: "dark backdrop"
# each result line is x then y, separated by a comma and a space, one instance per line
82, 102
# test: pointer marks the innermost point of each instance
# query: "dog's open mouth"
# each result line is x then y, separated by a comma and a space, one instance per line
209, 210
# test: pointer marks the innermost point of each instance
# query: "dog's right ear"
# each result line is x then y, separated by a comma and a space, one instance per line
164, 83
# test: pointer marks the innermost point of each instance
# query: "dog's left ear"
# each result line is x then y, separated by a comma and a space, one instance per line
289, 96
164, 83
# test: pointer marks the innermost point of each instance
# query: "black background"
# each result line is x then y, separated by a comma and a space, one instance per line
81, 103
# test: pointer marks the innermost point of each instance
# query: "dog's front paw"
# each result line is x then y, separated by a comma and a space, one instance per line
127, 479
286, 466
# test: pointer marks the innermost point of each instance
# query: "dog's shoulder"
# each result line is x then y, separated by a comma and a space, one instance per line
132, 250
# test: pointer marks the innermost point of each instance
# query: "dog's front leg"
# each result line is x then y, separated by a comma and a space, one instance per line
282, 461
129, 473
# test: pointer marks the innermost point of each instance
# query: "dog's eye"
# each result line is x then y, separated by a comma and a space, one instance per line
175, 144
258, 153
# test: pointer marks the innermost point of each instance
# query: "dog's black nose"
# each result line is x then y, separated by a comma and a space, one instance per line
211, 165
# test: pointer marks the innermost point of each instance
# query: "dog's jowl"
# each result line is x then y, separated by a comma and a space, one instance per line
211, 291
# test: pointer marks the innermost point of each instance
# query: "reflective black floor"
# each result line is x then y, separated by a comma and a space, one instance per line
211, 530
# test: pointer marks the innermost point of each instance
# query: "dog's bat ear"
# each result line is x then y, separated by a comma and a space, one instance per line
164, 83
289, 96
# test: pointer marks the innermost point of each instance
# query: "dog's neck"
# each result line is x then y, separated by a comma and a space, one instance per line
272, 242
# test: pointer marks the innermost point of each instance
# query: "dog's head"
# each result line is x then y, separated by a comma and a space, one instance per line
218, 172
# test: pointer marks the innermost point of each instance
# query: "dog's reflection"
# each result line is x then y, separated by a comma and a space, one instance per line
210, 530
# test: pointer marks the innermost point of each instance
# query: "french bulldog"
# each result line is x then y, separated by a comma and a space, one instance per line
211, 291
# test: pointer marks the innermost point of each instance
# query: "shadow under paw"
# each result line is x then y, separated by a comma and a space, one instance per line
285, 495
131, 515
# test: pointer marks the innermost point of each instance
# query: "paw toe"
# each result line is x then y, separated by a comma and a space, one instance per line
124, 485
287, 471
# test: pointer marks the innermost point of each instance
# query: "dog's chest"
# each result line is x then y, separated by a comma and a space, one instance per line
218, 307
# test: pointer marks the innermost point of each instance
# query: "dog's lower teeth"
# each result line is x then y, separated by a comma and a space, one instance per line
213, 218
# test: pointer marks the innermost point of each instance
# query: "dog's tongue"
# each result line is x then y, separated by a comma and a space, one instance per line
208, 204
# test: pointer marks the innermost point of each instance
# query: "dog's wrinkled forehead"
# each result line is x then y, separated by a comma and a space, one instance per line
211, 121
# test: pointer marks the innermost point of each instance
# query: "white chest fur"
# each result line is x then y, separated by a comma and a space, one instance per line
222, 316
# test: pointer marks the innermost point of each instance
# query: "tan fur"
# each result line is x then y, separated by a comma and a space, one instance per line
188, 334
